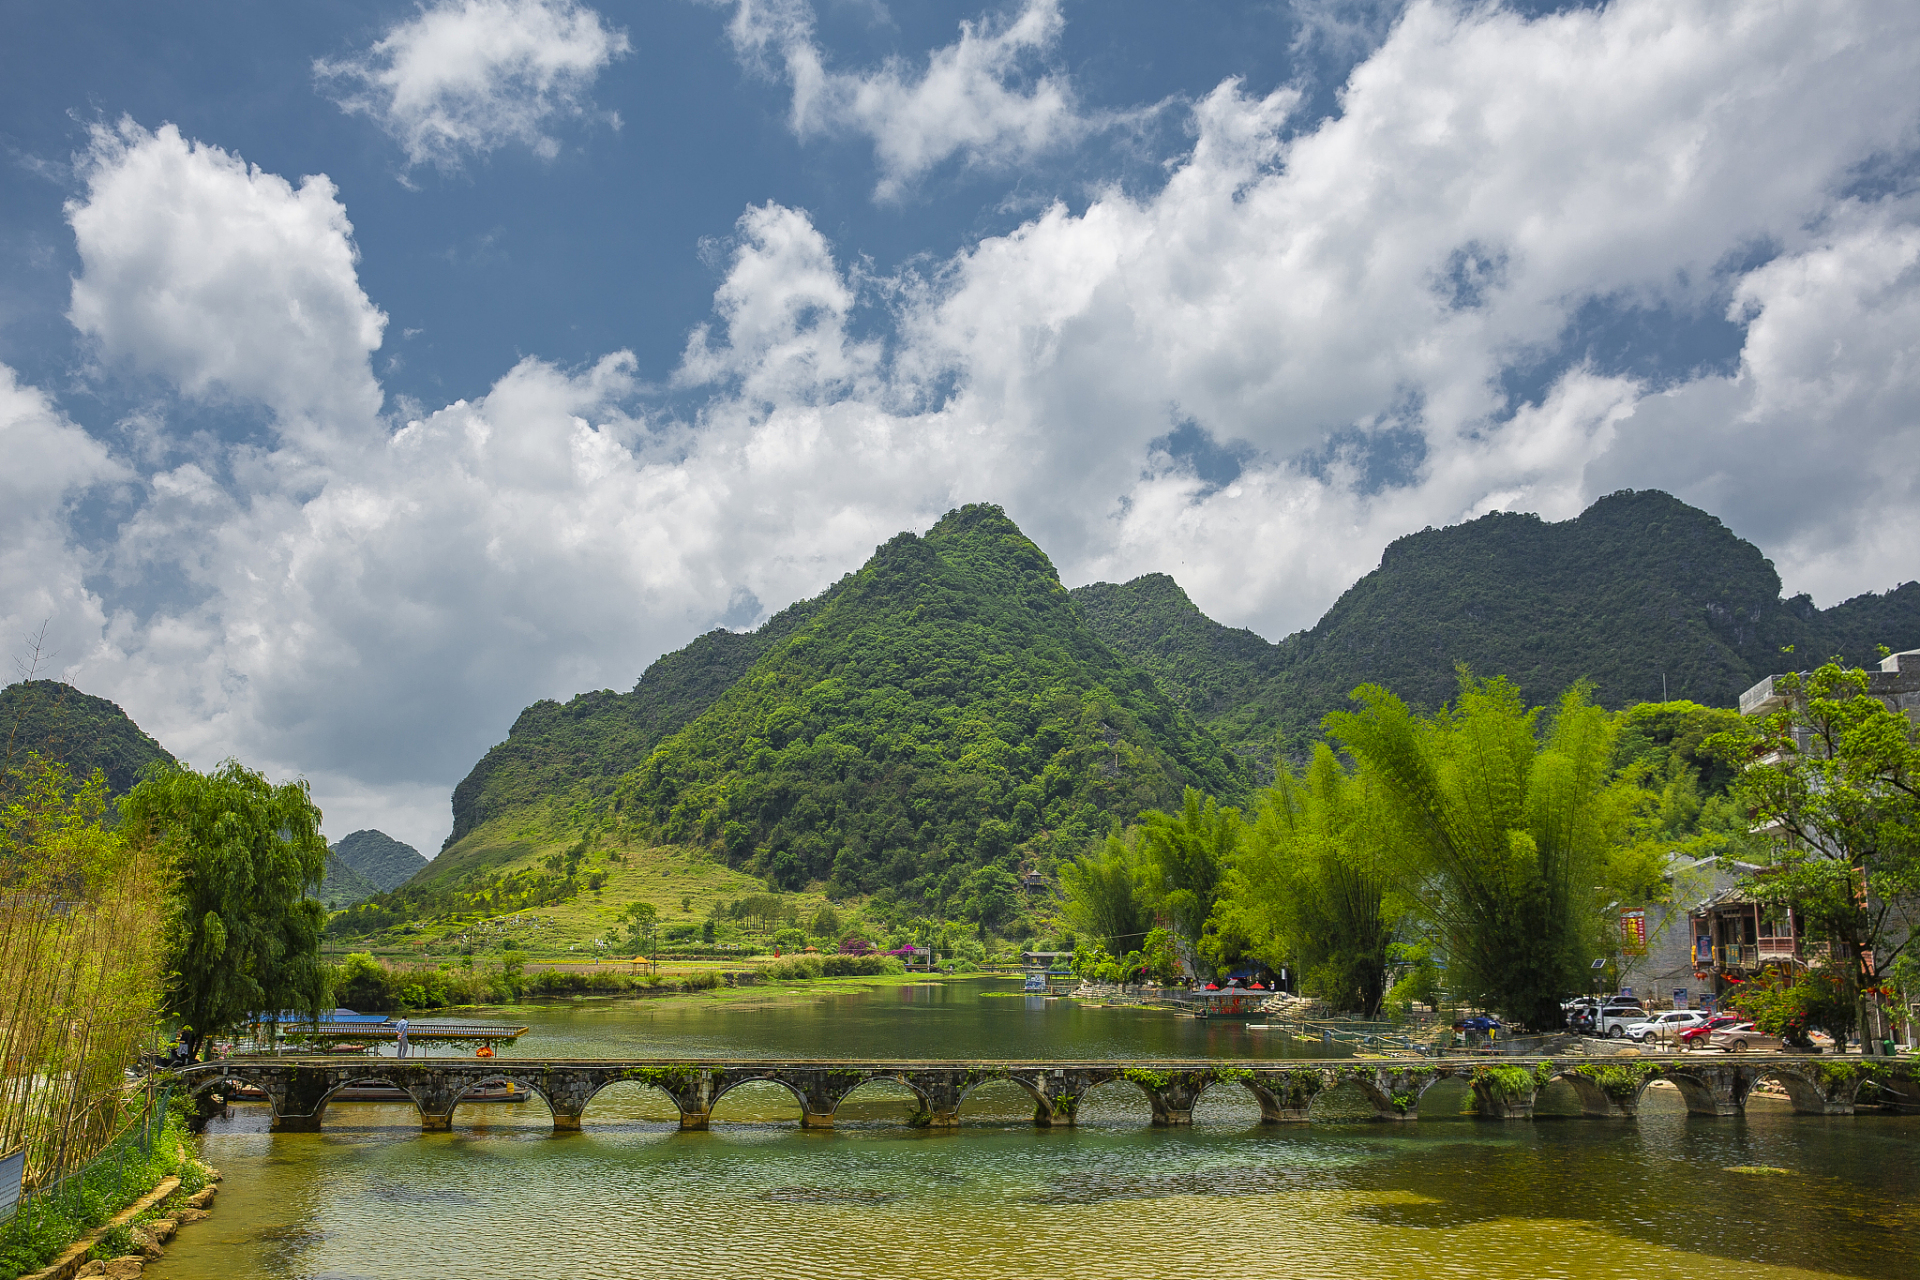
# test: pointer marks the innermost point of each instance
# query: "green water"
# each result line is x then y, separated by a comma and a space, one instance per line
632, 1196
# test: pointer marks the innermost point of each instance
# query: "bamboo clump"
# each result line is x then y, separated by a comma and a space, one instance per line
82, 916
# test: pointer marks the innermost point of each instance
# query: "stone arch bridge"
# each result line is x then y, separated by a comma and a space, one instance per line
298, 1089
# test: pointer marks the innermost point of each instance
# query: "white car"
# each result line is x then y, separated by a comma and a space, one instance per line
1666, 1027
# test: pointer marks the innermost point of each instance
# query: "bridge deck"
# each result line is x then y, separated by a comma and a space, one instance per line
1713, 1084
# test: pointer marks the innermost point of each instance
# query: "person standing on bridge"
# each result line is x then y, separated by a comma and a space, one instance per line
400, 1037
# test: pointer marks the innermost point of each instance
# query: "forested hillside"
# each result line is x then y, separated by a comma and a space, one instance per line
79, 730
1639, 586
575, 750
926, 717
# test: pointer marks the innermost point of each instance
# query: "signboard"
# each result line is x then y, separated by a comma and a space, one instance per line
1633, 933
13, 1167
1679, 997
1702, 951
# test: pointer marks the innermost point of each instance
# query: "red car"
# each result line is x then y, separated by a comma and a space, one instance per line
1696, 1037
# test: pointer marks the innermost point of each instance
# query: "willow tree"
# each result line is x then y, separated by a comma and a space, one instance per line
247, 856
1503, 835
1307, 889
1104, 901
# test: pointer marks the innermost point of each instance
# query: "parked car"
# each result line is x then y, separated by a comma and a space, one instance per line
1695, 1037
1664, 1028
1741, 1037
1612, 1020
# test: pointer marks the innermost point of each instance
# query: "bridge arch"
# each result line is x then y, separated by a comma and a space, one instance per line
1594, 1100
644, 1089
770, 1077
1034, 1094
532, 1082
923, 1103
1232, 1095
1809, 1094
1696, 1088
319, 1112
1346, 1092
1443, 1097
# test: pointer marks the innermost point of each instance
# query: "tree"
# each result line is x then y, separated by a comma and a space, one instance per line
1307, 889
1104, 901
825, 922
1833, 775
642, 920
990, 896
1184, 856
1504, 841
247, 857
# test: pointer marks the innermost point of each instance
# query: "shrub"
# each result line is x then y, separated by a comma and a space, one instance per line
114, 1242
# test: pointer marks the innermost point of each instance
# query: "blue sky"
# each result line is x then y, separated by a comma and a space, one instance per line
368, 370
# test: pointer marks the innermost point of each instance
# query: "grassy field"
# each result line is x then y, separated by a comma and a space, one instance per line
684, 886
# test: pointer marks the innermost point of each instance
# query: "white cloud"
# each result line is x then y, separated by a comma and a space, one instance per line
466, 77
1809, 448
785, 306
227, 281
50, 465
977, 98
376, 615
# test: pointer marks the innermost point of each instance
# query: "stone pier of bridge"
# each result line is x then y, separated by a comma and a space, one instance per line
299, 1089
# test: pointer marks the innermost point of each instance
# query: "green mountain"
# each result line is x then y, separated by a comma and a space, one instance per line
343, 885
82, 731
944, 709
578, 749
1639, 587
377, 859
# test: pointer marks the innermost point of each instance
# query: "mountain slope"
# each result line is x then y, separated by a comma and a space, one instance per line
580, 747
1640, 585
343, 886
944, 705
83, 732
942, 709
378, 859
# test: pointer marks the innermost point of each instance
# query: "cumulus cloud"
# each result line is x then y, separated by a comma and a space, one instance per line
1334, 312
466, 77
979, 98
50, 465
225, 280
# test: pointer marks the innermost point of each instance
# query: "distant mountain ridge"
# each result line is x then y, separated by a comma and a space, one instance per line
1638, 586
378, 859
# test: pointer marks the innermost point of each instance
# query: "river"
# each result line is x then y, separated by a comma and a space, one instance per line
1772, 1194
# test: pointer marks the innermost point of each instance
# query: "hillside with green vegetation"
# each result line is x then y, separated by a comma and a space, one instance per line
1639, 587
921, 727
77, 729
944, 711
379, 859
343, 886
573, 752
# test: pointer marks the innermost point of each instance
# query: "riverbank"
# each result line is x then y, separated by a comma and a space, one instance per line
121, 1216
369, 985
